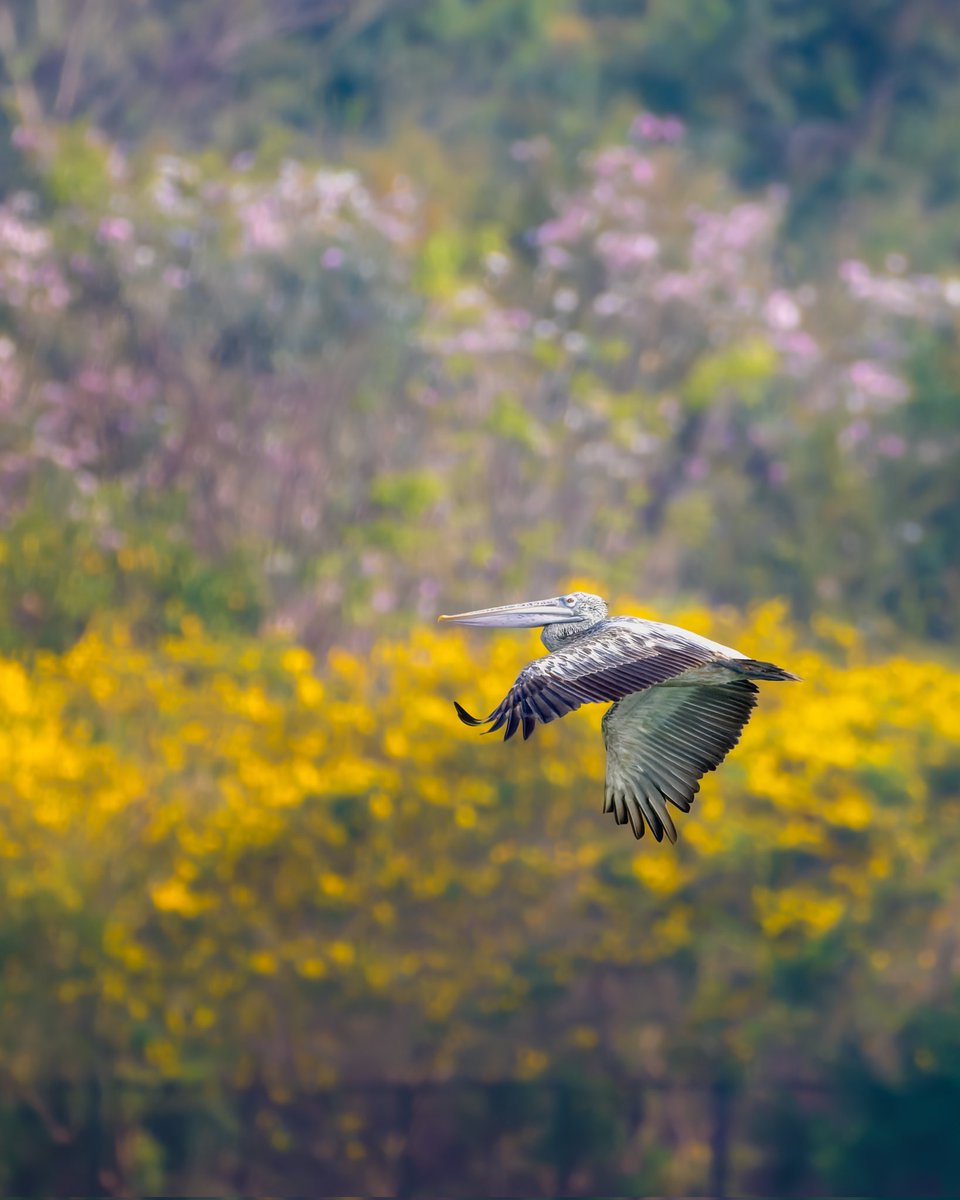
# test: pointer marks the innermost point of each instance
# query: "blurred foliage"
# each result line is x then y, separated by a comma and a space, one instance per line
843, 100
222, 870
290, 375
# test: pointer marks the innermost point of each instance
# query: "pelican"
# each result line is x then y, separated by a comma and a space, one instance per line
680, 701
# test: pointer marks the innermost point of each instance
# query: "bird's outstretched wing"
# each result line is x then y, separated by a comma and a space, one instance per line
661, 741
624, 656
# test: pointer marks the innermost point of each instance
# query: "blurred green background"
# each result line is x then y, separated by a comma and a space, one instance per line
318, 317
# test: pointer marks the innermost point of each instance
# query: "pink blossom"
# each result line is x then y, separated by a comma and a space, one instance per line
94, 380
625, 250
25, 138
642, 171
24, 239
57, 296
876, 382
383, 600
854, 273
518, 318
676, 286
777, 474
176, 278
607, 304
901, 296
798, 344
696, 467
429, 589
10, 374
853, 434
652, 128
781, 311
891, 445
570, 225
611, 160
115, 229
555, 258
263, 228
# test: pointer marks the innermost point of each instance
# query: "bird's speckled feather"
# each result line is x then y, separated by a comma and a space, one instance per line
680, 701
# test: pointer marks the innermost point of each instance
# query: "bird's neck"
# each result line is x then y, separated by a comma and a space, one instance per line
561, 634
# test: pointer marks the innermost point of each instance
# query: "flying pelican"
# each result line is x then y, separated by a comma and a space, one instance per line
680, 701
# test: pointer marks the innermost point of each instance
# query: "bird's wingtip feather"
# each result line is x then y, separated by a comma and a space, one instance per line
464, 716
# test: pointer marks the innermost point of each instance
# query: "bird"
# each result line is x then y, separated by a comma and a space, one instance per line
679, 700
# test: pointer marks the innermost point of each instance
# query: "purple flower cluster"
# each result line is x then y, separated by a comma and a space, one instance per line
30, 275
310, 205
643, 286
123, 323
269, 343
924, 297
649, 127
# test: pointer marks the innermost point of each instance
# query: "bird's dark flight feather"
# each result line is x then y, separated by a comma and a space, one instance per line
615, 659
465, 716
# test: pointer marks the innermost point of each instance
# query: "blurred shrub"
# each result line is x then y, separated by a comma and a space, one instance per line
665, 396
851, 102
279, 371
223, 870
196, 355
58, 572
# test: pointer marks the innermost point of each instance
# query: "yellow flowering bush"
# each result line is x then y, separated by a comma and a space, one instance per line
223, 862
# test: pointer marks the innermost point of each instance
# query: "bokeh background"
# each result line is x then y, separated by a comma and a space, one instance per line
318, 317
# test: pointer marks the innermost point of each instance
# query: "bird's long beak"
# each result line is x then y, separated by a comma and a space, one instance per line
529, 615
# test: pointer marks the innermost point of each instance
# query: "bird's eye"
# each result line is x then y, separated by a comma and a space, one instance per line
570, 600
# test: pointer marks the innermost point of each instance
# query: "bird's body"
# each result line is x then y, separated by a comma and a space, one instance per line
680, 700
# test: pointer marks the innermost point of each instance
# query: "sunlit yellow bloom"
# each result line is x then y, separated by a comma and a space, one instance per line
263, 963
173, 896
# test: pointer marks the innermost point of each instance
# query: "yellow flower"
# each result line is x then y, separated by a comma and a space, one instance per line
173, 896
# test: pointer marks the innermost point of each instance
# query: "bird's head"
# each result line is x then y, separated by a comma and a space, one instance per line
574, 609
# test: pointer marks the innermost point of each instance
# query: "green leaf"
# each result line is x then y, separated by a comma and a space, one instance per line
742, 370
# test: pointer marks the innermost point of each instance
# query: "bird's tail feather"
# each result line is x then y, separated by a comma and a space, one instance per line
754, 668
